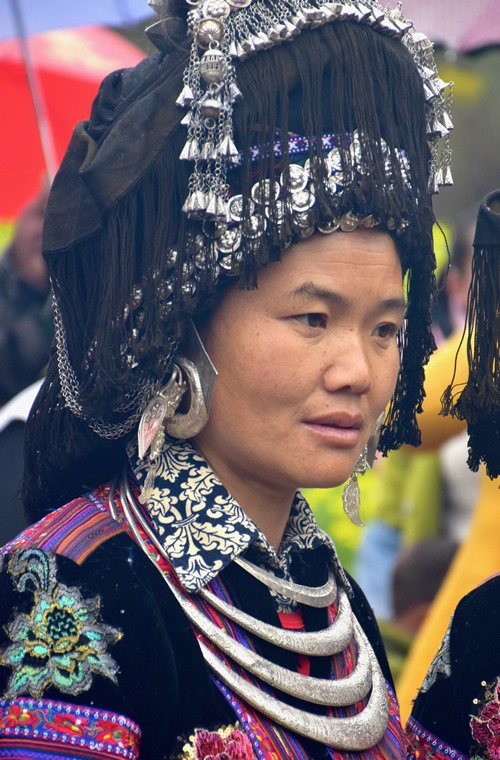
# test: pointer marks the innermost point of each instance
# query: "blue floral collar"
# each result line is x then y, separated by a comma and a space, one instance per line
202, 527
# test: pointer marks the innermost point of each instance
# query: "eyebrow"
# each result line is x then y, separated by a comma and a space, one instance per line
309, 289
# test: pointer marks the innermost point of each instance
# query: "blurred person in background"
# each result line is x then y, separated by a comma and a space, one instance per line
26, 330
418, 574
26, 327
457, 711
458, 706
13, 416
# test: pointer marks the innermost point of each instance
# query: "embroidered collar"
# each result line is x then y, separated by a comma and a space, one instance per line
202, 527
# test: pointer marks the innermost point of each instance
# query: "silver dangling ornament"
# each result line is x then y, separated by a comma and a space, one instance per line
350, 494
201, 376
151, 432
224, 31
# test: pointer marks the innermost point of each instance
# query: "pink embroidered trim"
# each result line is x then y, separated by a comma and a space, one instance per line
423, 745
69, 725
485, 727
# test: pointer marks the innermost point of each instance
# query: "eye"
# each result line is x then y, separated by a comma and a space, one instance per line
386, 331
312, 320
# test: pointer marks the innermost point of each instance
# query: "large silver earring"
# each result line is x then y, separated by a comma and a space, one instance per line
188, 424
201, 376
161, 416
350, 494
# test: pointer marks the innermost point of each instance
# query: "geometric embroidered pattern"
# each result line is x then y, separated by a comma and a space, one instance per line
73, 531
423, 745
61, 641
28, 727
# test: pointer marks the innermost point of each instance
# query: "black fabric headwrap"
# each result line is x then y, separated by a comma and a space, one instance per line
133, 108
479, 401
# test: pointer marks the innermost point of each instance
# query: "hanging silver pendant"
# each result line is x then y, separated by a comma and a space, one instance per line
160, 408
320, 596
351, 500
324, 643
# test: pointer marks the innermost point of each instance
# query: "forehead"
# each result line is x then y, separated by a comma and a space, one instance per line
343, 257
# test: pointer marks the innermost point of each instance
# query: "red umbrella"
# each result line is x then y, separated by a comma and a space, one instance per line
68, 67
460, 25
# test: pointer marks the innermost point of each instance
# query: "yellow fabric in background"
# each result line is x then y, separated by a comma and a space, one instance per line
6, 233
477, 558
479, 555
408, 493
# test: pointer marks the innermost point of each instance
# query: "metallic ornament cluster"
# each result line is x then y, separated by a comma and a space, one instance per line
271, 201
295, 195
358, 732
227, 30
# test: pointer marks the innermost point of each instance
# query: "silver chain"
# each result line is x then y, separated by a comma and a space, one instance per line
70, 389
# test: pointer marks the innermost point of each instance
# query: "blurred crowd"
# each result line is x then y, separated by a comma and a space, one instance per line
26, 330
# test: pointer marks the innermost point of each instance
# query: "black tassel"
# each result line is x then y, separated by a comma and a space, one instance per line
479, 401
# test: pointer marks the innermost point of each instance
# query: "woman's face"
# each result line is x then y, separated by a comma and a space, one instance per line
306, 362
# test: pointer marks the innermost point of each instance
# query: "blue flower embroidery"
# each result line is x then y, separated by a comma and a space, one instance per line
61, 641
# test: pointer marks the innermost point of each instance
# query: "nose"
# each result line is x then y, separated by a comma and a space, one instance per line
347, 366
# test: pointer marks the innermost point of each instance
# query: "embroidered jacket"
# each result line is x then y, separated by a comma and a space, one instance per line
457, 712
97, 658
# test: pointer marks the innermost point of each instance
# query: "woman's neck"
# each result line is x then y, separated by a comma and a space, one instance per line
268, 506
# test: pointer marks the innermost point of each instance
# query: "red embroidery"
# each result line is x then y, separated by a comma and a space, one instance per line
225, 744
422, 745
44, 721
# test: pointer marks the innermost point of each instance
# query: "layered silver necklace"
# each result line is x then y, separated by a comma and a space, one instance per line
354, 733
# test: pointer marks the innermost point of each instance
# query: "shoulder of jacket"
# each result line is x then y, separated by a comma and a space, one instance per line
74, 530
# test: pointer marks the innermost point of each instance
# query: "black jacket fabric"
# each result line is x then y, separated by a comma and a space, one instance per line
458, 706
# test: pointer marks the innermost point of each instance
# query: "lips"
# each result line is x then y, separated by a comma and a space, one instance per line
341, 429
339, 420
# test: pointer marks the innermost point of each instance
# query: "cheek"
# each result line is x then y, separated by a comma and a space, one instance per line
267, 376
389, 374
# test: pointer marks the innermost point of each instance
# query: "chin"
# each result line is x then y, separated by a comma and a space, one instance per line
326, 480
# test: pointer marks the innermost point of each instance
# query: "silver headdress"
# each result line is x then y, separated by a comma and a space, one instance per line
224, 31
